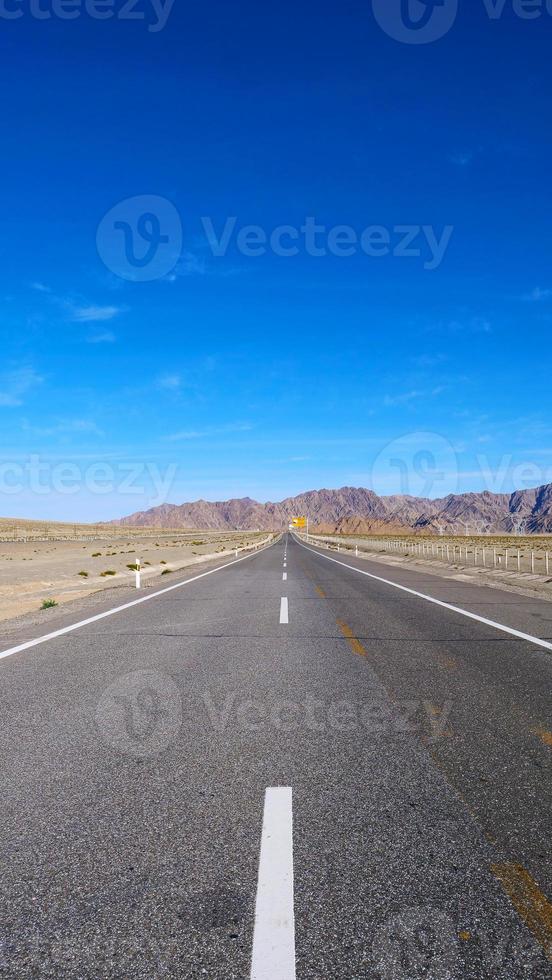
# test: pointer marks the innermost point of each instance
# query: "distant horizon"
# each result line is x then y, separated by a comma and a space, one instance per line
263, 503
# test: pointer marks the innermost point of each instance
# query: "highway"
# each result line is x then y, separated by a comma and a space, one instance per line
283, 768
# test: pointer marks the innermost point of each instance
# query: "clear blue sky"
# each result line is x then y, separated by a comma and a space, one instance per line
267, 375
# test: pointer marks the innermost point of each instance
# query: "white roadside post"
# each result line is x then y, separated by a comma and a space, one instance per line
356, 551
138, 575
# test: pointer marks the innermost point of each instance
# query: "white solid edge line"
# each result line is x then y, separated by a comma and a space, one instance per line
437, 602
284, 577
273, 956
128, 605
284, 612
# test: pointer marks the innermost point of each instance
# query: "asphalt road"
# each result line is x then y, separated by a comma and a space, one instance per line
414, 745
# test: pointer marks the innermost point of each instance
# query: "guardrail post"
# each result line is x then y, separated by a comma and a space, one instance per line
533, 562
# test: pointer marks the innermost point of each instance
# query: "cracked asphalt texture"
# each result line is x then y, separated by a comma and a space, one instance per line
136, 752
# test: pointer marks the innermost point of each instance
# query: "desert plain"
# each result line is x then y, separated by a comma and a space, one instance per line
42, 563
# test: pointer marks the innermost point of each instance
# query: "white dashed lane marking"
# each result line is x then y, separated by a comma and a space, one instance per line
274, 934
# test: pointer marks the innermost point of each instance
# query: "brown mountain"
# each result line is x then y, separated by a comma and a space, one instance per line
356, 509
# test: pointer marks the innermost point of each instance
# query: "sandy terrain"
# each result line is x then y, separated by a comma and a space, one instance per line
35, 570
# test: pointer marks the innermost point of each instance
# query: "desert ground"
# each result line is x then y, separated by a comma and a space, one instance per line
55, 562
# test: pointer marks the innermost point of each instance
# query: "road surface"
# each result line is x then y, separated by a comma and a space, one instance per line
285, 767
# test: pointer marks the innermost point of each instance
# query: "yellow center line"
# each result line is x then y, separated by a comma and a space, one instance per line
544, 735
435, 711
321, 592
354, 643
528, 901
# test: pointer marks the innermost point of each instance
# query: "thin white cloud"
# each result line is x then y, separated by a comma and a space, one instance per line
191, 264
95, 314
405, 397
65, 427
170, 382
207, 433
78, 310
14, 385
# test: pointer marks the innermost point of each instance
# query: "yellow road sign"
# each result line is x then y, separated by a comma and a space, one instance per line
299, 522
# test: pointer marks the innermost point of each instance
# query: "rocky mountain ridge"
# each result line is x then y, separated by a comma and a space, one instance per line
360, 510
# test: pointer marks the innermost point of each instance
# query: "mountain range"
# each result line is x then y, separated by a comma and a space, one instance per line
359, 510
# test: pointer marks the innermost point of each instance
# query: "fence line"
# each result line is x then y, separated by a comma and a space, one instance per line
468, 555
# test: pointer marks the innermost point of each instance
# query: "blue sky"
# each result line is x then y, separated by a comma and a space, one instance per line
265, 375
